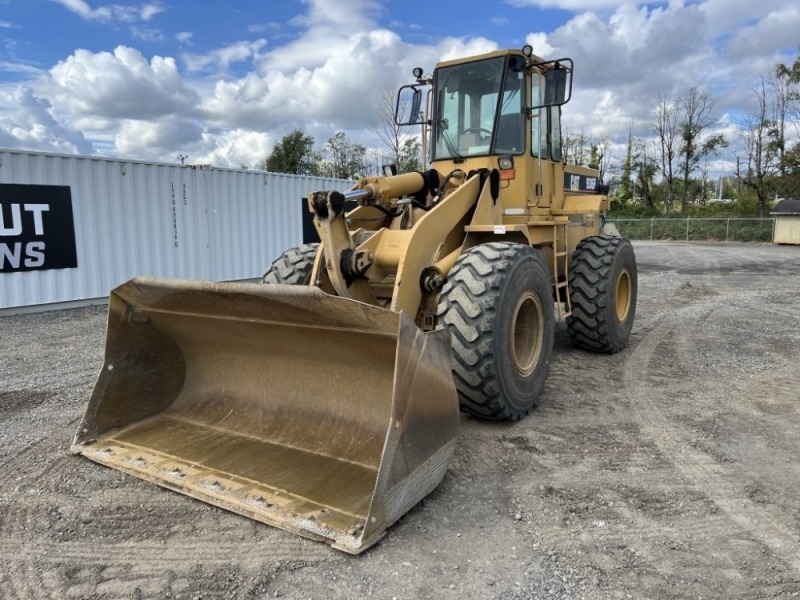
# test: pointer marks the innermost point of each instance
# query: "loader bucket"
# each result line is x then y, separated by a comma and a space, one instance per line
317, 414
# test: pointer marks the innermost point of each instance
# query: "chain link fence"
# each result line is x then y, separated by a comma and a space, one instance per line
729, 229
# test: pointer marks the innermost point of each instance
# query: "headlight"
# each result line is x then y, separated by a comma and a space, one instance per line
505, 162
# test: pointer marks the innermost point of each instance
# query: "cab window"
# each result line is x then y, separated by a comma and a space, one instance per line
510, 134
555, 132
466, 106
538, 122
479, 108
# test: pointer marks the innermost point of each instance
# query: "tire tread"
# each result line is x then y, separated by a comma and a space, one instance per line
467, 308
589, 284
293, 267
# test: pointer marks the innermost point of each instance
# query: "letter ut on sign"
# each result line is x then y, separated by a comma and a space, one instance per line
15, 227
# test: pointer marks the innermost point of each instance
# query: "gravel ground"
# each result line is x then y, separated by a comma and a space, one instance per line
668, 471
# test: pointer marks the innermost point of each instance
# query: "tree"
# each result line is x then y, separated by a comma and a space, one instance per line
409, 158
345, 160
790, 182
646, 169
792, 76
294, 154
697, 107
667, 131
575, 148
626, 190
404, 149
600, 155
787, 91
594, 157
781, 89
762, 141
604, 157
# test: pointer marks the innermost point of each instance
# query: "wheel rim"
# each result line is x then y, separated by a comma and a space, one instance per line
526, 333
623, 296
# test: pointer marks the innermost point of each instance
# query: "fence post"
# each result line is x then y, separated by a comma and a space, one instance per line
652, 220
727, 228
687, 228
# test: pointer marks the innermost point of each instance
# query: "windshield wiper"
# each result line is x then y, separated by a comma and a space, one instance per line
451, 147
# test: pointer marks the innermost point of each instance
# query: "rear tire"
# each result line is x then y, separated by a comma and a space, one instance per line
293, 267
498, 305
603, 289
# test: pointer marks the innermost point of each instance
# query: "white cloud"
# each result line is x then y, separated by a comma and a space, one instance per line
184, 38
233, 148
148, 11
775, 31
122, 85
145, 139
112, 12
146, 34
332, 91
26, 122
580, 5
633, 46
499, 21
222, 58
725, 15
337, 15
289, 93
19, 67
263, 27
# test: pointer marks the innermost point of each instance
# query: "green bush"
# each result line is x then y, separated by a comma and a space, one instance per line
751, 231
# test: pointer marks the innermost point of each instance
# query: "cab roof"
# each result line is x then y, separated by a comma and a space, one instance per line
477, 57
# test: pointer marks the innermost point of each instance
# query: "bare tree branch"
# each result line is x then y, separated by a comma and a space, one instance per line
697, 107
667, 131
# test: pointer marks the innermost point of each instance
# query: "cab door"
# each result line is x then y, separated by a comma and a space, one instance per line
540, 177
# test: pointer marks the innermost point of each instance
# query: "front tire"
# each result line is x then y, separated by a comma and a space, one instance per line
603, 286
498, 305
293, 267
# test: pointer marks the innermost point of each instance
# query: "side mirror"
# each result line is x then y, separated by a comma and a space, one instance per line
555, 86
408, 110
557, 82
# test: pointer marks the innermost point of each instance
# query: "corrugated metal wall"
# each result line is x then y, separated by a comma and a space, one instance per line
134, 218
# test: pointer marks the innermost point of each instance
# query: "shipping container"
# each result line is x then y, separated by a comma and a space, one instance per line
74, 227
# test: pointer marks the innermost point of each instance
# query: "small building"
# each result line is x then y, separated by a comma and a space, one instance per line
787, 222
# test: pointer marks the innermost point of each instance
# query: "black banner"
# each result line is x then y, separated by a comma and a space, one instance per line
581, 183
37, 231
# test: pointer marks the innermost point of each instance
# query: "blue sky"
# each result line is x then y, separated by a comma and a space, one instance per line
221, 81
40, 42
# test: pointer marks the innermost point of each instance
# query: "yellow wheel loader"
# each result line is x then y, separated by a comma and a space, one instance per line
325, 400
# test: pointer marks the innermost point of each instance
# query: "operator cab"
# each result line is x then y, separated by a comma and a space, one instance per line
484, 107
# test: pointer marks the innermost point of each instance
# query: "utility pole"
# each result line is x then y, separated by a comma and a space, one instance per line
738, 181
